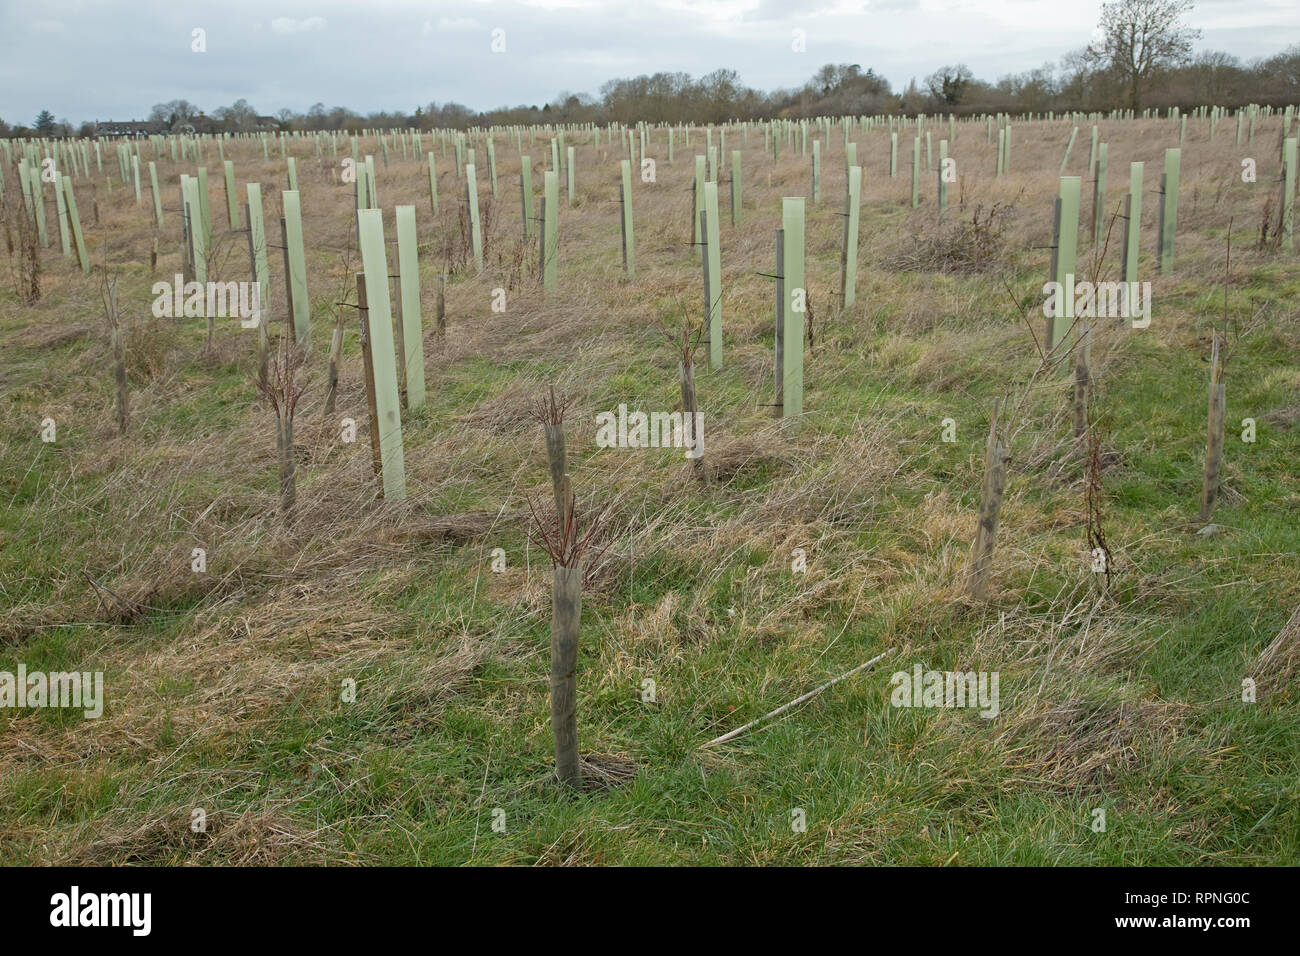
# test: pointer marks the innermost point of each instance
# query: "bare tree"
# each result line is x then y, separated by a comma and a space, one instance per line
1140, 37
948, 83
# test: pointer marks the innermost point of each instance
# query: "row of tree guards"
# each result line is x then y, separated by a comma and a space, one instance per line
791, 294
76, 155
390, 327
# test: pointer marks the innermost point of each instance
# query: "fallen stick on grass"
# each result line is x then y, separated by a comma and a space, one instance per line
798, 700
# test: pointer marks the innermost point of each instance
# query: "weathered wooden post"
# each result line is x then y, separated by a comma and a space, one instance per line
336, 352
109, 292
187, 241
441, 308
986, 531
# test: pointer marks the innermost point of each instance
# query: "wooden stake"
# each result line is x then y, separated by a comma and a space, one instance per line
364, 312
442, 305
995, 484
779, 357
288, 282
336, 350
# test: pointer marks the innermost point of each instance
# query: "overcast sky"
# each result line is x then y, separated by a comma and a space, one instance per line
86, 59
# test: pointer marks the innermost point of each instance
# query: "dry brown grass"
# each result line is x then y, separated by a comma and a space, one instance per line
283, 615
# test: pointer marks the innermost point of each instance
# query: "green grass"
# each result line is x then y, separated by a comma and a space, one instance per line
225, 690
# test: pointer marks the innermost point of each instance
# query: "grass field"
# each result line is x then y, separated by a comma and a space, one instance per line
223, 688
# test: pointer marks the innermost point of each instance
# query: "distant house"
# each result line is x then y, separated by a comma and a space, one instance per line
201, 123
135, 128
266, 124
